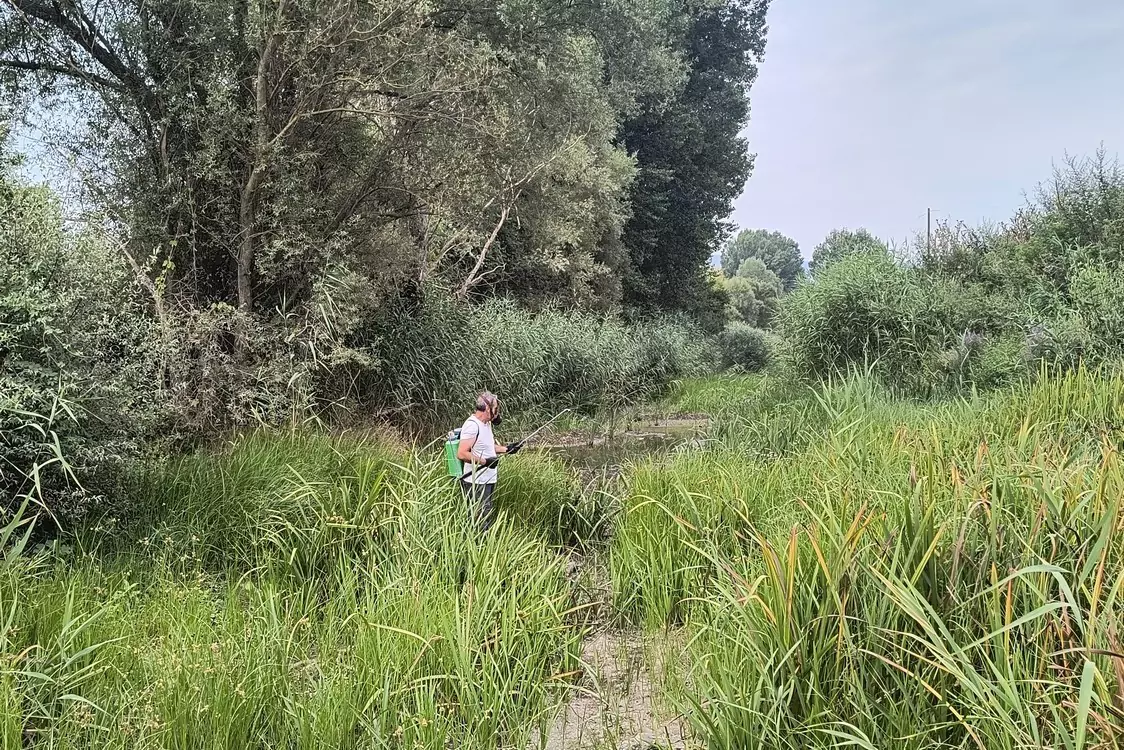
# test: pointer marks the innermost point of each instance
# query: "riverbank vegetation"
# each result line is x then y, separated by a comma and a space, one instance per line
917, 575
884, 509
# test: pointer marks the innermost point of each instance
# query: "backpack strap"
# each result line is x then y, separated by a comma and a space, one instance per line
470, 464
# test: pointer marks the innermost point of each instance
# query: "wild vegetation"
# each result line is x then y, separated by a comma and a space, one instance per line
900, 575
860, 570
306, 234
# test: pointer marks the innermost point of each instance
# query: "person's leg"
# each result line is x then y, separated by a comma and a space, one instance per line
487, 507
468, 490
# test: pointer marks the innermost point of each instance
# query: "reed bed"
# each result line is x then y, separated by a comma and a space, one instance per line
918, 575
831, 567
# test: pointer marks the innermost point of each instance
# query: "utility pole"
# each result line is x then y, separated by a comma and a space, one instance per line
929, 231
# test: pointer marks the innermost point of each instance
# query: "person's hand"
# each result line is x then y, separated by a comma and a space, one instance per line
492, 462
515, 447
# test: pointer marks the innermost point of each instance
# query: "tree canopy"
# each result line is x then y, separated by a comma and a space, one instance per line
843, 242
755, 293
780, 254
691, 157
252, 152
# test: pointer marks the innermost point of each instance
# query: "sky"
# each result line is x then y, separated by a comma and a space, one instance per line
869, 112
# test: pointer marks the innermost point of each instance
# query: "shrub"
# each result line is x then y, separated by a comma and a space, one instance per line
1077, 218
434, 358
75, 394
864, 308
1098, 302
841, 243
1000, 361
1059, 342
745, 348
920, 332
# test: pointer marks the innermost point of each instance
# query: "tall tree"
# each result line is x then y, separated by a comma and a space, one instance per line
843, 242
780, 254
249, 147
235, 137
692, 160
755, 293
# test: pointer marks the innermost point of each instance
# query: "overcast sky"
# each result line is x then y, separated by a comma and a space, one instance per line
868, 112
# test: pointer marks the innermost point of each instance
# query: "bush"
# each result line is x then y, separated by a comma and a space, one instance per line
999, 362
75, 393
1098, 303
1059, 343
1078, 218
865, 308
919, 331
745, 348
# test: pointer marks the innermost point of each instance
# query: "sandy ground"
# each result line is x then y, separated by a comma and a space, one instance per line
616, 705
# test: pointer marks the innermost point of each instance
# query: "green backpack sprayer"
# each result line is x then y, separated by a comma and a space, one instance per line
455, 467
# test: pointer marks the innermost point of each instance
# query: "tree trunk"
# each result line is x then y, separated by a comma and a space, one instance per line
247, 219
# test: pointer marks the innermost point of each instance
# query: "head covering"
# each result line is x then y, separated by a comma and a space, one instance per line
488, 400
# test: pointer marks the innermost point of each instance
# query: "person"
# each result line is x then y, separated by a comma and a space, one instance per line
479, 452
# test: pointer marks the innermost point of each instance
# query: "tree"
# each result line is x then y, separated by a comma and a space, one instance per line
247, 148
236, 140
843, 242
72, 356
755, 293
692, 160
780, 254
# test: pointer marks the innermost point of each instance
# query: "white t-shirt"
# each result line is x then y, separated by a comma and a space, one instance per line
485, 447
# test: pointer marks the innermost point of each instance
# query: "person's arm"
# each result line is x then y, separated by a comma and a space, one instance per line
464, 451
500, 448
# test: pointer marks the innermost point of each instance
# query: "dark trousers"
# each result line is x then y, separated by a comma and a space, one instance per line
480, 506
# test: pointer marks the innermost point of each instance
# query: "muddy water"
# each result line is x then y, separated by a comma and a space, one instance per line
640, 439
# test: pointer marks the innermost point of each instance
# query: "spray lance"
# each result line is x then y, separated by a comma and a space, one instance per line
452, 440
546, 424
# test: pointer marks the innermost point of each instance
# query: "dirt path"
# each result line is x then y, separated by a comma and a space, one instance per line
617, 704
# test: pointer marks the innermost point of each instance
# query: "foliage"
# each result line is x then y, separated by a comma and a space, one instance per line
1077, 219
899, 580
435, 358
900, 575
744, 347
72, 359
1072, 222
373, 617
1048, 277
1098, 302
487, 137
540, 493
242, 137
281, 192
864, 309
841, 243
754, 293
922, 333
691, 157
778, 253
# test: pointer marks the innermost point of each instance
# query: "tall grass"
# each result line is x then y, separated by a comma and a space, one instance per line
844, 569
435, 359
294, 591
914, 576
